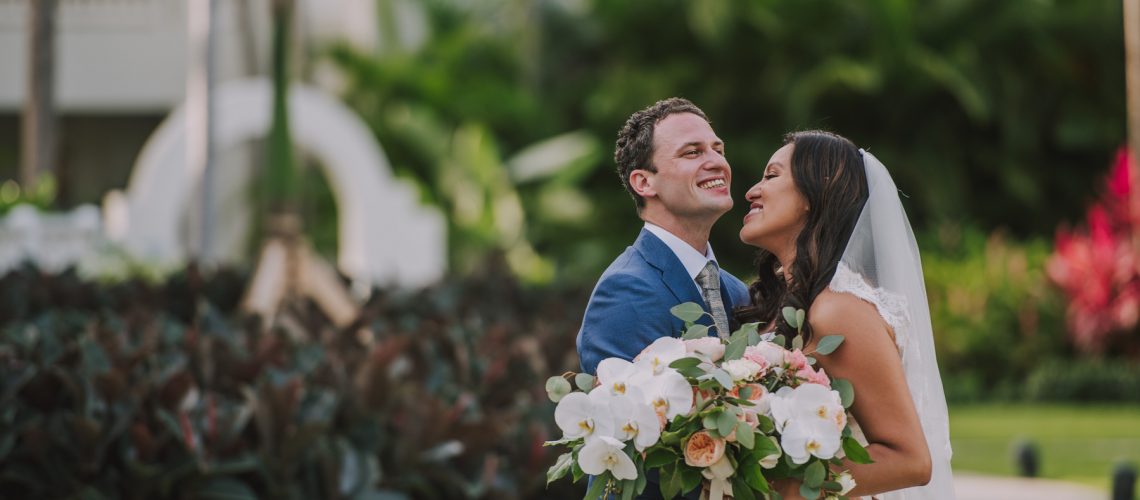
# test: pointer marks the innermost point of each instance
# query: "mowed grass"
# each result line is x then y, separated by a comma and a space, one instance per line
1075, 443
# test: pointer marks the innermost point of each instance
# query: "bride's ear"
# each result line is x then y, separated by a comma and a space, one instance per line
641, 181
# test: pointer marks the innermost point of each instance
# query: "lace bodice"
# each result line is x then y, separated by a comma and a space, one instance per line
891, 307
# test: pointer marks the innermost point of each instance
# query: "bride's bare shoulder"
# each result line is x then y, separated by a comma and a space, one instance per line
845, 314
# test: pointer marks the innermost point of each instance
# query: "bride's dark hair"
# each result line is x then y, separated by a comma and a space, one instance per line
828, 171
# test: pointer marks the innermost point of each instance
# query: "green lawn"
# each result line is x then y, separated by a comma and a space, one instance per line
1076, 443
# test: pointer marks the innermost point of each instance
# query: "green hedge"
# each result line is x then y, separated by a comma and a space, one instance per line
134, 390
1088, 380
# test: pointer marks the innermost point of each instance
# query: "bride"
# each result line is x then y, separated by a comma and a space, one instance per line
834, 241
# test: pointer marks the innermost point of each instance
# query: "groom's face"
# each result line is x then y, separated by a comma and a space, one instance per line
693, 177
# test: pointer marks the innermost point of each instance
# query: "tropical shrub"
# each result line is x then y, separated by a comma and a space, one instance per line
134, 390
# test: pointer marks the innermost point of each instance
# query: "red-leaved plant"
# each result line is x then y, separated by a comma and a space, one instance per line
1097, 266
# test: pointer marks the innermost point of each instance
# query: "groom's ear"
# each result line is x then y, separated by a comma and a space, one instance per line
641, 183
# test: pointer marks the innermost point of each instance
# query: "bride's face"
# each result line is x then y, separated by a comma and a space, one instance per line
778, 211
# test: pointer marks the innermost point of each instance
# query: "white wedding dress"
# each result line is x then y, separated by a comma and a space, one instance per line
881, 266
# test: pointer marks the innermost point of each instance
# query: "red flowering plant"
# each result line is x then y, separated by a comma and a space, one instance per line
1097, 267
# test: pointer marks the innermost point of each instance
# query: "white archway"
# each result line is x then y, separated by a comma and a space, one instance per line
384, 235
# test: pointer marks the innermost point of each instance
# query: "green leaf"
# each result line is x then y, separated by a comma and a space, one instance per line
627, 487
690, 478
710, 420
746, 329
584, 381
753, 475
225, 488
692, 372
814, 475
856, 452
745, 392
735, 348
832, 486
767, 425
671, 438
658, 457
845, 390
725, 423
798, 342
723, 378
780, 340
828, 344
808, 491
560, 468
598, 486
557, 387
744, 435
800, 314
764, 447
686, 362
741, 490
671, 480
689, 311
696, 332
789, 313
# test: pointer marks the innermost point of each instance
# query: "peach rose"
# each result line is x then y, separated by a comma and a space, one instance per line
703, 450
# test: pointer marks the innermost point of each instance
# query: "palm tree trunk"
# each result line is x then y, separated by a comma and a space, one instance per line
39, 120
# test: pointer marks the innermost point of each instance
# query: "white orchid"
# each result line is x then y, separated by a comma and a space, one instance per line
580, 416
808, 402
616, 375
657, 356
803, 438
669, 394
605, 454
633, 418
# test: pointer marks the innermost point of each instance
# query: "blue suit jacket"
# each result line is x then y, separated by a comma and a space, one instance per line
629, 309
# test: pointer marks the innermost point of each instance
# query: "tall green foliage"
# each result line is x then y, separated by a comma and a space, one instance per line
997, 114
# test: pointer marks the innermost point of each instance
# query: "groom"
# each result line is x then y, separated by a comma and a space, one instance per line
672, 163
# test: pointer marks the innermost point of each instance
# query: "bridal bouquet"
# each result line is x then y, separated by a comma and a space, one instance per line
726, 416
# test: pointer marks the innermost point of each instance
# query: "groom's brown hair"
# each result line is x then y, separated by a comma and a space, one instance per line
634, 147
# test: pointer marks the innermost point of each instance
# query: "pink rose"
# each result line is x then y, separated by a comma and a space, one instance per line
756, 357
710, 347
795, 360
807, 374
772, 354
703, 450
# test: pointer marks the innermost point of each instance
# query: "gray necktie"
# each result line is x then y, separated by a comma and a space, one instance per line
709, 280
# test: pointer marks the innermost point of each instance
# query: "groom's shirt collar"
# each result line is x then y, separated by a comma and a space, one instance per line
693, 260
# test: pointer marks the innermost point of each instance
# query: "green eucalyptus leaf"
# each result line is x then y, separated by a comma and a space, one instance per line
725, 423
584, 381
723, 378
808, 491
829, 344
814, 475
744, 435
696, 332
798, 342
735, 348
780, 340
845, 390
800, 315
789, 313
689, 311
557, 387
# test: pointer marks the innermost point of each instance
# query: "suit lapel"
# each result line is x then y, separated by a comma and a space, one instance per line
673, 273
